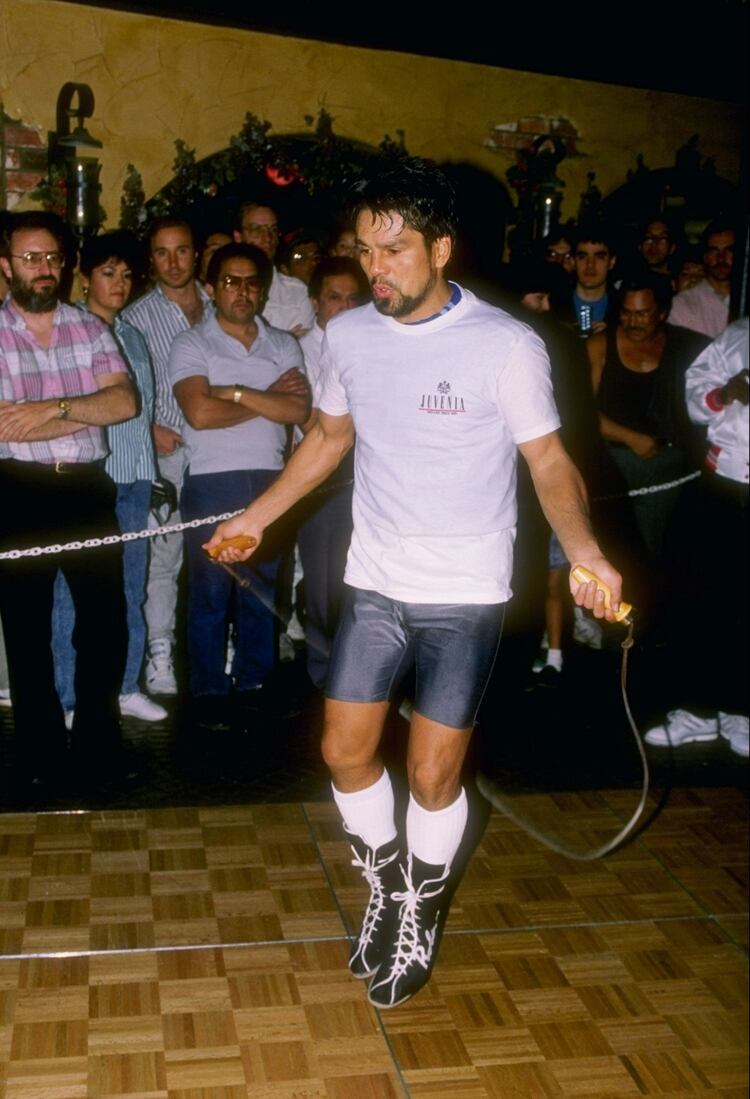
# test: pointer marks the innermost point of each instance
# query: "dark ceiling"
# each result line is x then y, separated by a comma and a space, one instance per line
665, 45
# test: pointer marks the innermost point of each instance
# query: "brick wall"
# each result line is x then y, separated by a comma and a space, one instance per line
23, 160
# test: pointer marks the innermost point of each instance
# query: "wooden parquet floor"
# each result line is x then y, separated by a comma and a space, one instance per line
201, 954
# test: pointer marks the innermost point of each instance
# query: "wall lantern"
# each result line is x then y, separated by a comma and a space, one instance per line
76, 101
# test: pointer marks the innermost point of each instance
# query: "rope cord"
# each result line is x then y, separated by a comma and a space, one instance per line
491, 791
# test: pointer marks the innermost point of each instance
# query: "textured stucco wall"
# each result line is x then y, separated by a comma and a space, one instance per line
157, 79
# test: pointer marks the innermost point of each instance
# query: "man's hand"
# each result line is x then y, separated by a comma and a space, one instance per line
645, 446
166, 439
298, 331
240, 526
736, 389
17, 421
291, 381
590, 596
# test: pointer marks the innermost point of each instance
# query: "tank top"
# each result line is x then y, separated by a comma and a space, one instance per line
624, 395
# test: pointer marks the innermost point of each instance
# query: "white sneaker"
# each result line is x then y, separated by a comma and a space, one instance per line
68, 716
5, 701
140, 706
734, 728
682, 727
586, 630
159, 672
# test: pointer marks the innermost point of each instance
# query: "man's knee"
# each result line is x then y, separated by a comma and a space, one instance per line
434, 783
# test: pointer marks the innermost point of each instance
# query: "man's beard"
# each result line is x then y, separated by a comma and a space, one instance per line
402, 305
33, 300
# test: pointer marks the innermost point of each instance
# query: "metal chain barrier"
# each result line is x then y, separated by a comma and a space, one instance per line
174, 528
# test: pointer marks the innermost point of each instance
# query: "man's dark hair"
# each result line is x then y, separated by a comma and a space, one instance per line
535, 276
595, 232
635, 281
168, 221
718, 225
416, 189
119, 245
263, 265
36, 219
259, 200
331, 266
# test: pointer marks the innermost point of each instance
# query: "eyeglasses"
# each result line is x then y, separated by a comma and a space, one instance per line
299, 256
235, 282
36, 259
553, 254
261, 230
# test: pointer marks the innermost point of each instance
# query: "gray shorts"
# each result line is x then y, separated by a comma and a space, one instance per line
451, 646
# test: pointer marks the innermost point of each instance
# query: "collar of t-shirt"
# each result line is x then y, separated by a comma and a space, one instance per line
454, 299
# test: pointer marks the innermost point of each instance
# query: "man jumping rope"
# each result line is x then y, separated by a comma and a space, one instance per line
441, 390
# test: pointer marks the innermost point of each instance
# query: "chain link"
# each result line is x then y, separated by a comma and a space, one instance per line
113, 539
174, 528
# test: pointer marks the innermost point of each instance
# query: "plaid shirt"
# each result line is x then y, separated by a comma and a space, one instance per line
82, 349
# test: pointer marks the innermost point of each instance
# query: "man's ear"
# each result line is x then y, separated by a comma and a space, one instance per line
7, 271
237, 236
442, 249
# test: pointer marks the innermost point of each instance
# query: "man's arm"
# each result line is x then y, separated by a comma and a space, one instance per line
286, 401
319, 453
643, 445
562, 494
34, 421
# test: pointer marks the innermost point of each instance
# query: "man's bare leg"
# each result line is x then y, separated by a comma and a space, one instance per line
363, 793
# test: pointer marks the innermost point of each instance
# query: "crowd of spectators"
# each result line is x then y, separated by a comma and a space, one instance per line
207, 355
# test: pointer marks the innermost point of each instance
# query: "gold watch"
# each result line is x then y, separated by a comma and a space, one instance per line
64, 406
237, 395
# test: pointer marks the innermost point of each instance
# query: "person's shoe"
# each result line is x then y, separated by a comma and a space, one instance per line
549, 676
68, 716
140, 706
5, 701
159, 672
413, 948
268, 703
212, 713
734, 728
586, 629
382, 873
682, 727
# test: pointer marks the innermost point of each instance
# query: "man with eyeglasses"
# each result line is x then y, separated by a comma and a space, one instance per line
239, 382
62, 382
287, 305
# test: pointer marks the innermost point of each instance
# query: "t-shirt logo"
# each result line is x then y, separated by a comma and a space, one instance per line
441, 401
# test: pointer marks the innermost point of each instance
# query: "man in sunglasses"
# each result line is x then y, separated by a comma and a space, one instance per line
239, 382
62, 382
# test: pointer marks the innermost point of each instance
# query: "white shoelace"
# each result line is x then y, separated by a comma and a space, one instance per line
371, 871
408, 947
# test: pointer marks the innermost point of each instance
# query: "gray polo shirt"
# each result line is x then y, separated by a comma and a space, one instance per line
208, 351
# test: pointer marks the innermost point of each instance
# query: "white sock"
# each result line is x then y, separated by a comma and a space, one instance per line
369, 812
554, 657
434, 836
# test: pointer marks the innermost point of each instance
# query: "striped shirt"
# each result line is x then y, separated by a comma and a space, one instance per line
160, 320
131, 447
82, 349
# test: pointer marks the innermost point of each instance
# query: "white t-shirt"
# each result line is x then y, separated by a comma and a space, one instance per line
288, 303
438, 409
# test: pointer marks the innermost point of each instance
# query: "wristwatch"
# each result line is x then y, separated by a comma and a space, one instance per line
64, 406
237, 395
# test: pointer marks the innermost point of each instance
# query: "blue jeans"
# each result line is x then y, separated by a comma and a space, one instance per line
132, 508
214, 597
